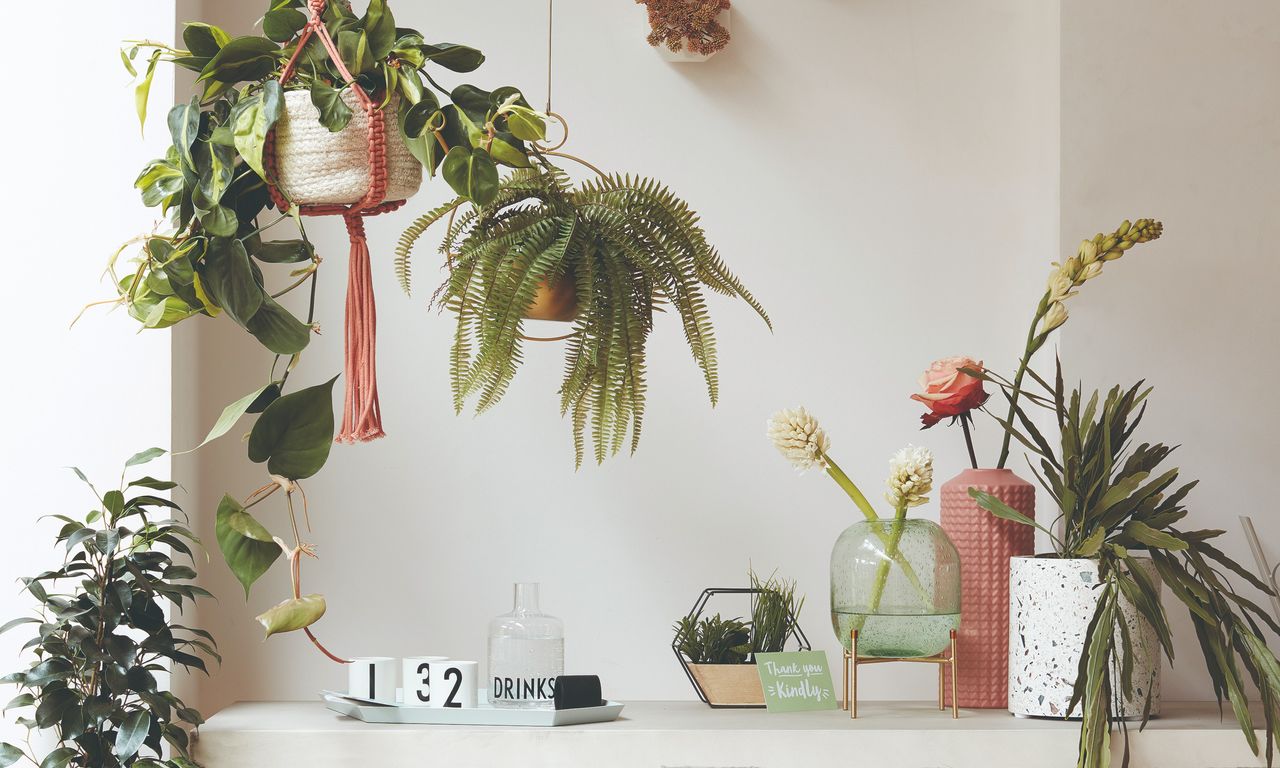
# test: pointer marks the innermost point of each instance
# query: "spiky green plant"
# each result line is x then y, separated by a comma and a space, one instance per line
629, 247
1114, 503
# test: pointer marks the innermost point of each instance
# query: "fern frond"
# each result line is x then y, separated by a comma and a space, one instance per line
631, 248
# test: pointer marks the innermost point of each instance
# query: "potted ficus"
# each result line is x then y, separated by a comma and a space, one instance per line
624, 247
718, 654
107, 631
327, 111
1089, 626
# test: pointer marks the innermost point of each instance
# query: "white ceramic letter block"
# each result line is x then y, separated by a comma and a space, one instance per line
453, 684
415, 678
372, 677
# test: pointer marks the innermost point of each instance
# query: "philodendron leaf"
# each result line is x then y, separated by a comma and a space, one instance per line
246, 546
459, 58
9, 754
229, 278
133, 731
472, 174
220, 221
292, 614
380, 26
294, 434
242, 59
282, 251
277, 329
334, 112
526, 124
281, 24
204, 40
184, 124
230, 415
253, 117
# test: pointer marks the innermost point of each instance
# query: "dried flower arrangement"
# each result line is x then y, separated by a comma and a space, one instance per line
687, 24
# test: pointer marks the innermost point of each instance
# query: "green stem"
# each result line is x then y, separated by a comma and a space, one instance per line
1033, 345
844, 482
891, 555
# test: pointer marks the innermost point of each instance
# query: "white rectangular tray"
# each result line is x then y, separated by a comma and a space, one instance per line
485, 714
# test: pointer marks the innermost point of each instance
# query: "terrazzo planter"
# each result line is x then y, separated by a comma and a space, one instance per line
985, 543
1050, 603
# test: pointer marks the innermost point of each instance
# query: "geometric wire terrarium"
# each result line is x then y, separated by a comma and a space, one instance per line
731, 685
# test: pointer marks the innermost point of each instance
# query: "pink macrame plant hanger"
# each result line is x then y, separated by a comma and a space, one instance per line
361, 414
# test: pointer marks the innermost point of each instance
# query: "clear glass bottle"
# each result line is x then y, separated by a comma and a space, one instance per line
898, 583
526, 654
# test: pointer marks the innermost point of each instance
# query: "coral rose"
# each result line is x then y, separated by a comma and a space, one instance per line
948, 391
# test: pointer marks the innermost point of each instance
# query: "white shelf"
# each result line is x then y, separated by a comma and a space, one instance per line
652, 734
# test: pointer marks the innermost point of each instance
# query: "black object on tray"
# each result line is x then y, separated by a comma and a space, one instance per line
578, 691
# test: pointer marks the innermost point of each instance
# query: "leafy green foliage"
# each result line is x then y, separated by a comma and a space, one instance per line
627, 245
773, 609
103, 634
1114, 501
713, 640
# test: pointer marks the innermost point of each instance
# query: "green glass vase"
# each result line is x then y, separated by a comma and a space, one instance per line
898, 583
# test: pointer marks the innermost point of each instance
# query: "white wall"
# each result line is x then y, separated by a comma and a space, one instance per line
93, 395
1169, 109
882, 174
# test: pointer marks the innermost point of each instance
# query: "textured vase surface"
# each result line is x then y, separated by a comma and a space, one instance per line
986, 543
1051, 601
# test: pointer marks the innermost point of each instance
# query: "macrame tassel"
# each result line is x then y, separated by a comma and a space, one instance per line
361, 416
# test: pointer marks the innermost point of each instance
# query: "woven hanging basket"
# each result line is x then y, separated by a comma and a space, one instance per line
316, 166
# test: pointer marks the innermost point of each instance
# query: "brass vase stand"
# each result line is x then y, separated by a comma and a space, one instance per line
852, 660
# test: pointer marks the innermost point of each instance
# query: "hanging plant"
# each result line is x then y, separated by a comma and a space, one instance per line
695, 26
625, 245
258, 136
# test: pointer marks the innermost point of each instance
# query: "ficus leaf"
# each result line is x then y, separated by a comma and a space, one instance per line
133, 731
294, 434
59, 757
142, 457
246, 546
9, 754
292, 614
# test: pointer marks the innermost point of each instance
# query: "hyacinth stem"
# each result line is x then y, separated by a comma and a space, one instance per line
892, 555
844, 482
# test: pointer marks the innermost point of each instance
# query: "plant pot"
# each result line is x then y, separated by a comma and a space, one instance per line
315, 166
729, 685
558, 302
985, 543
904, 606
684, 55
1051, 601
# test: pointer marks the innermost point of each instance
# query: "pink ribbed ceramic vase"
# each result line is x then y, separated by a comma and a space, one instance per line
986, 543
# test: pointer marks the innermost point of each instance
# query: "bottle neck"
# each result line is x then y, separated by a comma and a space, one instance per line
526, 598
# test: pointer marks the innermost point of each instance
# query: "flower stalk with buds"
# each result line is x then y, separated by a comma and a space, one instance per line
1051, 313
803, 442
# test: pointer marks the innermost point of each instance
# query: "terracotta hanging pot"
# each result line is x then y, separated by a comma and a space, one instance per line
558, 302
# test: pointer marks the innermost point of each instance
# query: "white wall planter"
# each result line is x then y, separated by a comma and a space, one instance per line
1050, 603
684, 55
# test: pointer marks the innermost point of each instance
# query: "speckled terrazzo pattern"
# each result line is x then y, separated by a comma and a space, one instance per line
985, 543
1050, 604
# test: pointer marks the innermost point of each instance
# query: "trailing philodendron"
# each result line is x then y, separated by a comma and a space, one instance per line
212, 257
1115, 504
107, 626
625, 245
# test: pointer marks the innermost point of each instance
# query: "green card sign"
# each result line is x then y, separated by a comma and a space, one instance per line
796, 681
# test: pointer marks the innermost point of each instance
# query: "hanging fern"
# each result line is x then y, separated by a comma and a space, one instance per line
627, 245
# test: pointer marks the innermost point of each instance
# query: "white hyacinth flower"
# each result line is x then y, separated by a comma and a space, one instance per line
910, 477
797, 436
